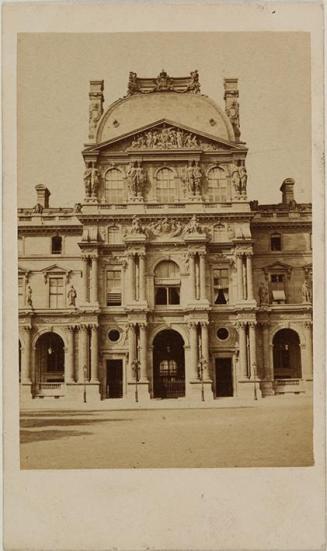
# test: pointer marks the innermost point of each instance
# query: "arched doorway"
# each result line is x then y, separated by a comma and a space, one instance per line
50, 359
168, 365
287, 355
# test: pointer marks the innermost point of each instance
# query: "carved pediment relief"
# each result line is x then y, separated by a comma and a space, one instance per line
165, 135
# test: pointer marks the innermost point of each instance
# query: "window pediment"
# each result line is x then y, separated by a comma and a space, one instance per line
56, 270
278, 267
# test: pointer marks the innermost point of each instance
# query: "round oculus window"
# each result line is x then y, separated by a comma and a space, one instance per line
222, 333
114, 335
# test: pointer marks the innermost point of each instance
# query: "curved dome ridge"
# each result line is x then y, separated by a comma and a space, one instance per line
197, 111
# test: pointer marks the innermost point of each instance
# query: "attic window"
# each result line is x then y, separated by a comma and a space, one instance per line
276, 242
56, 244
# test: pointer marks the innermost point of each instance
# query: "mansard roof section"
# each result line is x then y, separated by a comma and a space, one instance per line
196, 111
184, 137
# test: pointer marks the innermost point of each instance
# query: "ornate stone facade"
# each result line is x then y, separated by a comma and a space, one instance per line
165, 281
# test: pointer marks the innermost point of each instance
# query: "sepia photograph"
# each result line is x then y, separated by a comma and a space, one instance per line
163, 276
165, 251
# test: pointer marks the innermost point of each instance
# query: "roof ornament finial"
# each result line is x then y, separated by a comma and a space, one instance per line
163, 83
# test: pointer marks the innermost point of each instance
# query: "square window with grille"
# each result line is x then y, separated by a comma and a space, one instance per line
221, 286
56, 291
113, 287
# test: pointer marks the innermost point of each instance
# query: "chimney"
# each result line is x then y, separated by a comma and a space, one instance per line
232, 107
287, 190
42, 195
95, 106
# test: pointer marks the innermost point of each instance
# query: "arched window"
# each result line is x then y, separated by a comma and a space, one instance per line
166, 187
115, 191
276, 242
167, 283
217, 185
56, 244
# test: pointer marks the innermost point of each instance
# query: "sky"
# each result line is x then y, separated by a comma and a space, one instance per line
54, 71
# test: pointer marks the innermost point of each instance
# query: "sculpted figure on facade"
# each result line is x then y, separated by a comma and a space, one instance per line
171, 228
306, 291
72, 295
29, 298
136, 180
194, 85
88, 180
236, 180
243, 180
136, 227
132, 84
38, 209
163, 82
233, 113
263, 293
193, 226
94, 181
169, 138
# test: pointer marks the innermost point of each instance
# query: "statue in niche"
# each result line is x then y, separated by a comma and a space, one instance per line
29, 296
193, 226
263, 292
72, 295
306, 291
88, 179
243, 180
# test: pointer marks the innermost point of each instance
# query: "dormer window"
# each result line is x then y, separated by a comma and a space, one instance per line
56, 244
276, 242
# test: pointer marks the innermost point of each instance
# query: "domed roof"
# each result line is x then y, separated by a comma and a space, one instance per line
136, 111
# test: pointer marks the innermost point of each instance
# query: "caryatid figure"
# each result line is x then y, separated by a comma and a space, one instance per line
197, 176
94, 181
88, 179
132, 178
236, 179
243, 180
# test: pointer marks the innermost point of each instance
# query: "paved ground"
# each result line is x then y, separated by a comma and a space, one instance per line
270, 433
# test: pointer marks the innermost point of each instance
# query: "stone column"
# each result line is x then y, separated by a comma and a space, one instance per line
142, 277
239, 270
143, 352
249, 277
69, 360
194, 350
205, 349
243, 352
131, 350
192, 276
308, 368
268, 371
94, 284
26, 357
82, 352
202, 276
253, 349
94, 354
131, 277
85, 294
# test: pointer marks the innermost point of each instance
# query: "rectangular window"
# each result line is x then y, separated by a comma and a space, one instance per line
220, 286
278, 288
20, 292
56, 289
276, 242
113, 287
167, 295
